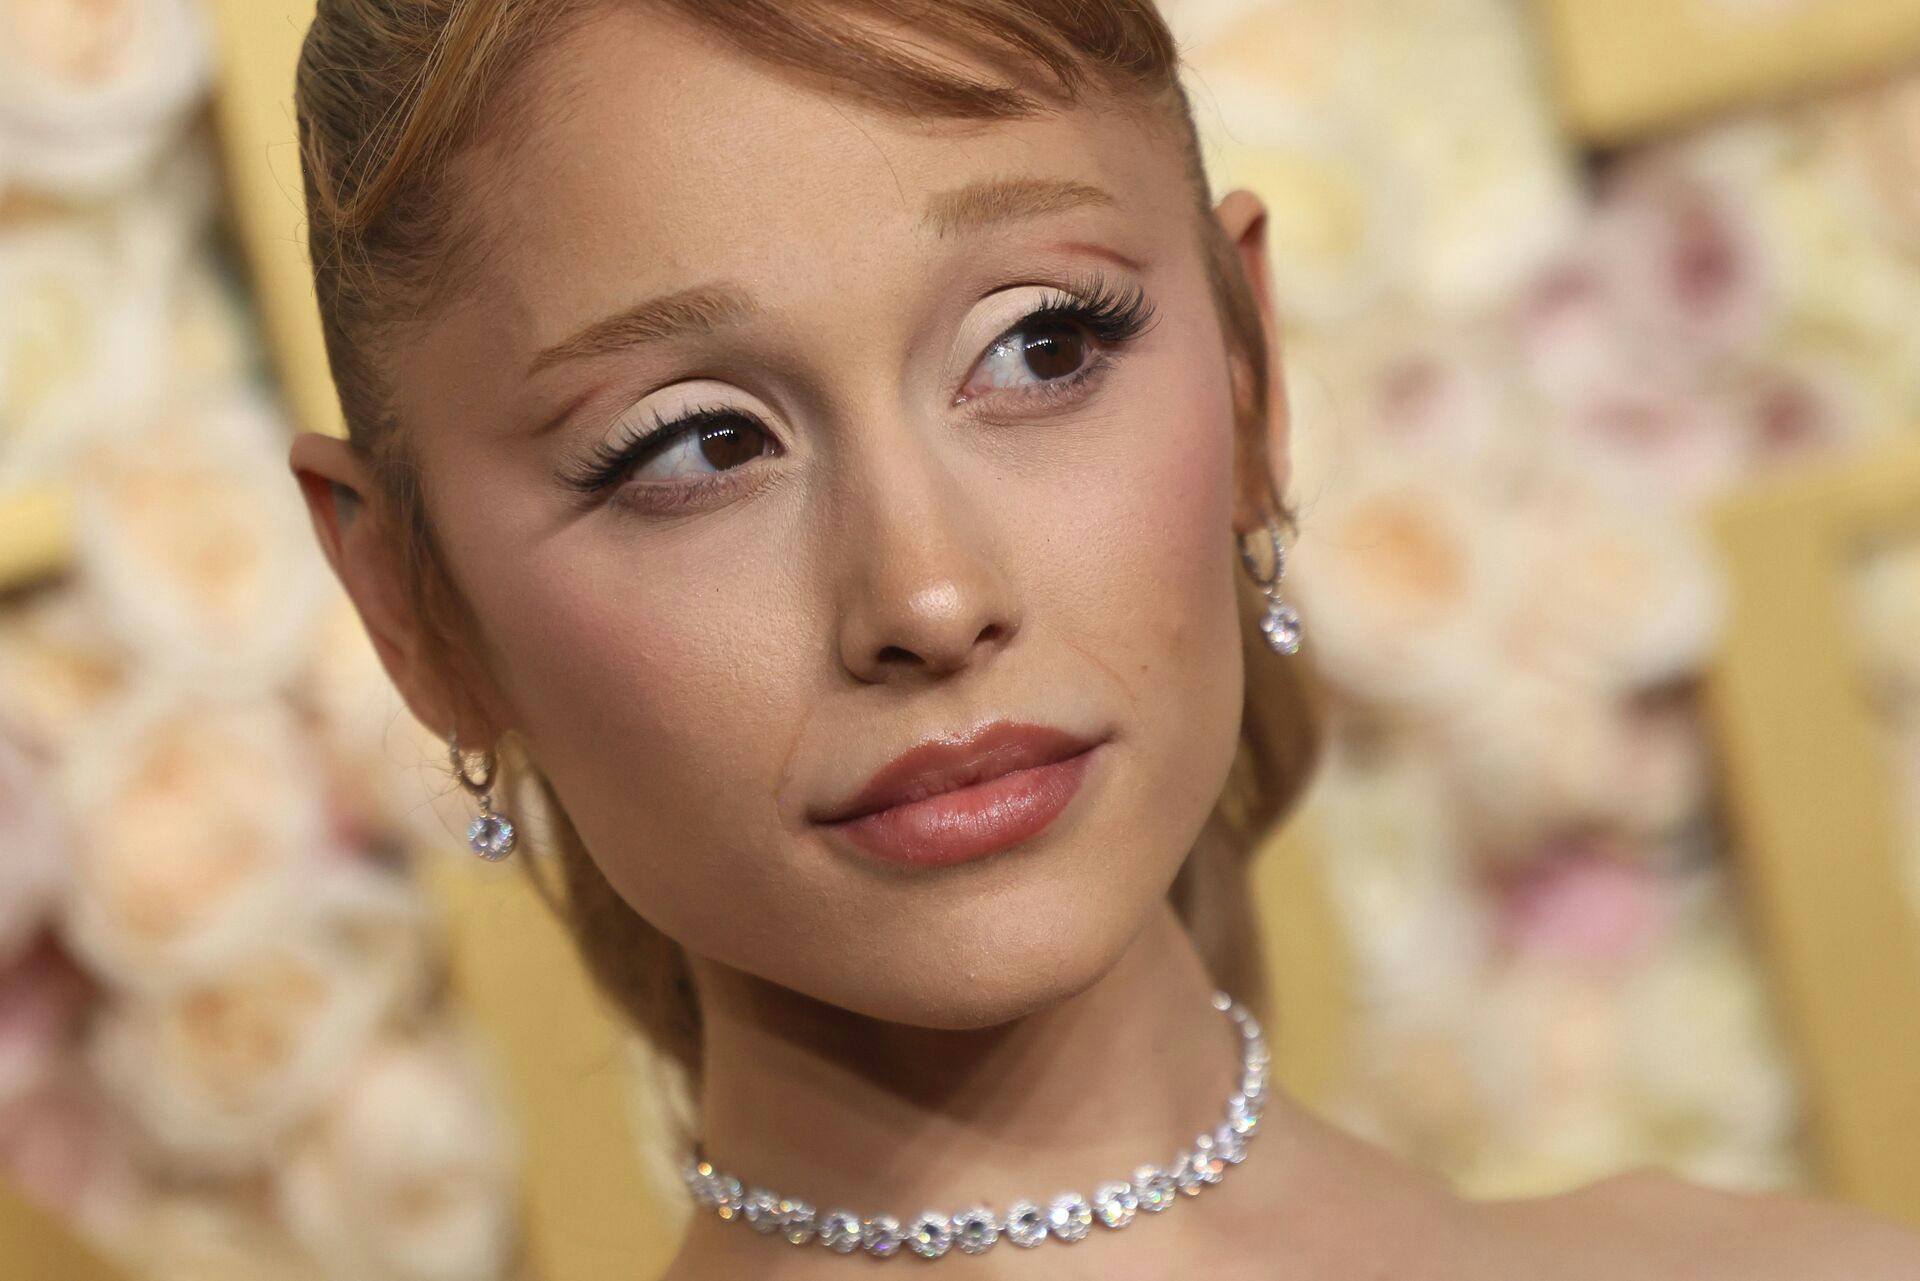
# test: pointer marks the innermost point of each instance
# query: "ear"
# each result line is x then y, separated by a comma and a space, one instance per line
1243, 218
356, 532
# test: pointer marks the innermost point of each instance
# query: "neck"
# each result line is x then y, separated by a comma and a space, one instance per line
842, 1110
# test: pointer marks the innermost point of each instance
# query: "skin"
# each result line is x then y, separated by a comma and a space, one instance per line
892, 566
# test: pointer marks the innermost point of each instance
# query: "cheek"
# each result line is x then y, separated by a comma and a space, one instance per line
652, 711
1147, 595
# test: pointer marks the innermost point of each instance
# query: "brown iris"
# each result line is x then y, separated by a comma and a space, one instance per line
1053, 349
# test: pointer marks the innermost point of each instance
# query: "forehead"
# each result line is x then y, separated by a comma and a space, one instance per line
654, 156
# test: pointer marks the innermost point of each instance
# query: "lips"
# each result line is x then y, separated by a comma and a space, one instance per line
944, 765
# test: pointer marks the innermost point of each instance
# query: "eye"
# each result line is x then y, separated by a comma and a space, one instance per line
1043, 351
1061, 343
688, 451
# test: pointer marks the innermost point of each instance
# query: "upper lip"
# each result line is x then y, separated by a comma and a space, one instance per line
942, 765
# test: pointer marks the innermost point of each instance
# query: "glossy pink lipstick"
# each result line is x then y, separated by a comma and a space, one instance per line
951, 800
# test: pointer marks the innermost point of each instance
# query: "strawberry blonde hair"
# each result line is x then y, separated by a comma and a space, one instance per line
389, 92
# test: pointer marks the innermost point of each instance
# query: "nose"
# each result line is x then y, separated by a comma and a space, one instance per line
925, 587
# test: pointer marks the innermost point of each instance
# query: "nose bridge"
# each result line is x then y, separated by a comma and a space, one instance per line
920, 581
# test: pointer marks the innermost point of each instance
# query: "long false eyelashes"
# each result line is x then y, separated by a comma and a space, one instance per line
1115, 314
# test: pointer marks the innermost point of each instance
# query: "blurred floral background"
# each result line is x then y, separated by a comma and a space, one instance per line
1520, 373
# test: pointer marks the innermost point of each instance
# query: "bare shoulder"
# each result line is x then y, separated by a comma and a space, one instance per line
1662, 1226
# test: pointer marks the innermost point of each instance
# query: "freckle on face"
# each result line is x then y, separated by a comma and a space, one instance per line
678, 681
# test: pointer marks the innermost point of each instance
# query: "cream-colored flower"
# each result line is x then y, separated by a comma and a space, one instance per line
409, 1175
82, 337
208, 1235
1395, 572
58, 668
1556, 1033
1811, 398
1879, 135
1336, 221
1398, 877
1703, 1059
1455, 90
1607, 587
34, 837
200, 827
199, 549
90, 94
217, 1073
1532, 755
1688, 445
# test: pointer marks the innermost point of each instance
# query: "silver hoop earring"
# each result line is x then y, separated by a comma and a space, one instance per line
490, 835
1281, 623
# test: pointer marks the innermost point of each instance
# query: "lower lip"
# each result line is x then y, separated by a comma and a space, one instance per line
970, 822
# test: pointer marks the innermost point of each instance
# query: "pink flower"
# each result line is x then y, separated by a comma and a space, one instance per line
42, 998
1583, 902
35, 840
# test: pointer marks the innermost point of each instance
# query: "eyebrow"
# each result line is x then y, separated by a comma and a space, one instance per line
705, 309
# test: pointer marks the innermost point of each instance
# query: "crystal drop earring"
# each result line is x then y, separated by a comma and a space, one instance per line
1281, 623
490, 835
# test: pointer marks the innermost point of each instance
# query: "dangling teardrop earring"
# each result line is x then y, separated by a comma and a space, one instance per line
1281, 623
490, 835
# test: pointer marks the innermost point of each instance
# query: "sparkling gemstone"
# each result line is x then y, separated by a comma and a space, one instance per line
1208, 1163
1026, 1223
490, 836
1114, 1204
762, 1210
1253, 1083
1069, 1216
1229, 1145
1186, 1176
975, 1228
1242, 1114
731, 1194
880, 1236
796, 1221
1221, 1001
1281, 626
840, 1231
1154, 1187
930, 1234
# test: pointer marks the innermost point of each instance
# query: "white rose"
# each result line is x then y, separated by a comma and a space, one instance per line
1336, 220
91, 93
57, 668
197, 545
208, 1235
82, 337
199, 829
409, 1176
1399, 879
1702, 1055
1608, 587
1529, 756
1395, 572
217, 1073
1689, 446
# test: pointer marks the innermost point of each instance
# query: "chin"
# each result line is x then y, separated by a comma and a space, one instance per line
987, 963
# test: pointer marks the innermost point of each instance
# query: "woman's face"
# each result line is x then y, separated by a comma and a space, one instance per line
906, 510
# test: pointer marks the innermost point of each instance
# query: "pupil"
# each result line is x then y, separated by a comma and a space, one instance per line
726, 445
1052, 350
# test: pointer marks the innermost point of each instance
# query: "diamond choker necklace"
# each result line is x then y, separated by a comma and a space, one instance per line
1067, 1218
